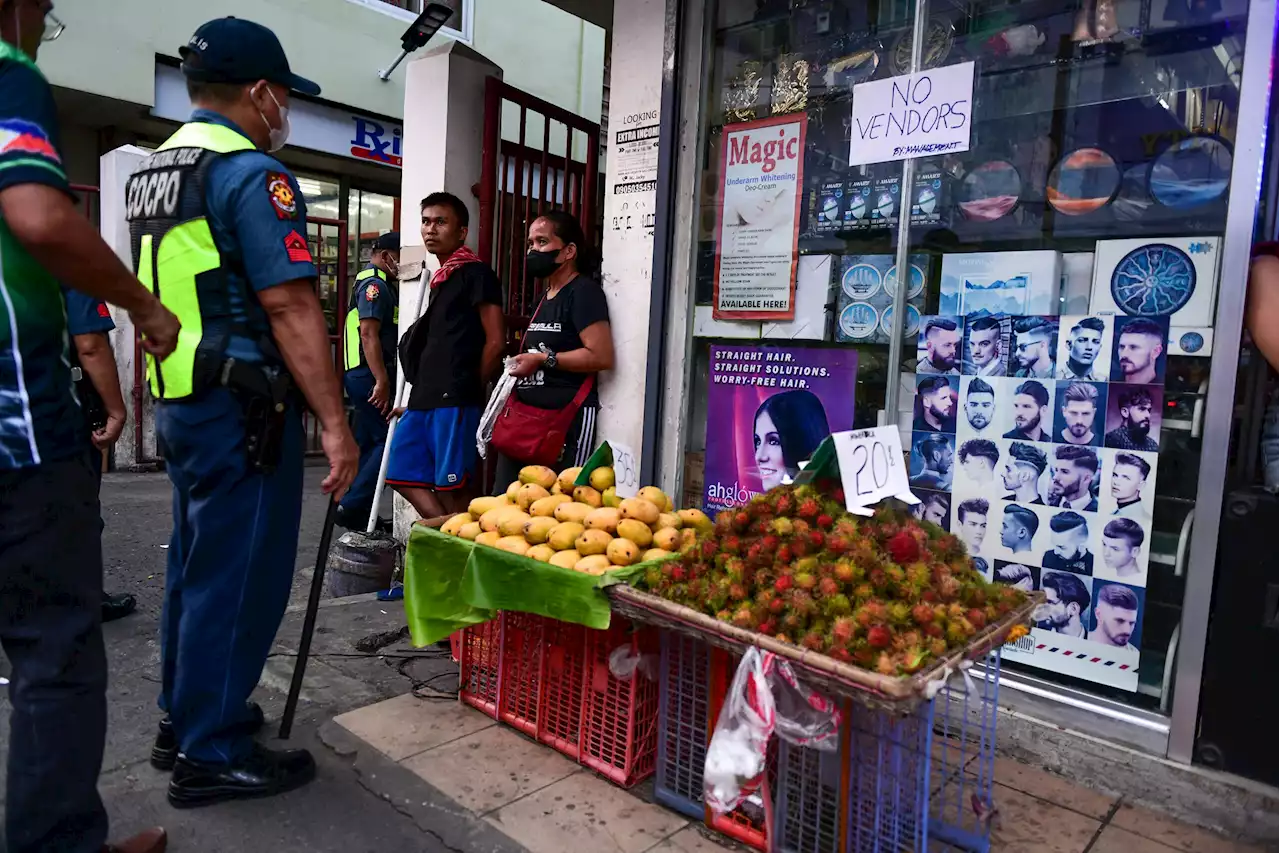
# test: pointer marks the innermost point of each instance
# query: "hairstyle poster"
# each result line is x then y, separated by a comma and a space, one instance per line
768, 409
1049, 472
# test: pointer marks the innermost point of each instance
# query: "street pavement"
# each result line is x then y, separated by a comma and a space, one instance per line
338, 812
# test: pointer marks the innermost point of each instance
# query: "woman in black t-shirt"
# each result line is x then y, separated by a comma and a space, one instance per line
568, 341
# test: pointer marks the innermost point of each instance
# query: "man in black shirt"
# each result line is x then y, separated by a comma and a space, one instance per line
449, 355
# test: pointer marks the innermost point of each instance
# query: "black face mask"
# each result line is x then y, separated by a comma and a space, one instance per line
542, 264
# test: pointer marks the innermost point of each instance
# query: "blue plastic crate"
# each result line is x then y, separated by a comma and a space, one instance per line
923, 782
807, 798
682, 723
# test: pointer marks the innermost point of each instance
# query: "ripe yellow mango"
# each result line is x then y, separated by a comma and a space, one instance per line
513, 490
654, 554
668, 539
602, 478
528, 493
655, 496
572, 511
587, 495
454, 524
606, 518
668, 519
538, 528
592, 542
489, 537
622, 552
541, 553
640, 509
565, 559
547, 506
566, 478
635, 531
480, 506
512, 544
564, 534
610, 497
512, 523
596, 564
695, 518
470, 531
539, 474
489, 521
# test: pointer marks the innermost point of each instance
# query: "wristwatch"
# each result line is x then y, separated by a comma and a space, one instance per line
551, 361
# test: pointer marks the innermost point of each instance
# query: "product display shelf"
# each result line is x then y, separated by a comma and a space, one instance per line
682, 723
619, 715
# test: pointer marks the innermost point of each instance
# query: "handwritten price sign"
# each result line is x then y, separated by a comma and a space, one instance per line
626, 470
871, 468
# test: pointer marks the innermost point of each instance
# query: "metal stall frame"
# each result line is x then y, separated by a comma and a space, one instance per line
1172, 735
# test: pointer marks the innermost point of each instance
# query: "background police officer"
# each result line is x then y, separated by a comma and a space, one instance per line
50, 549
219, 227
93, 367
370, 337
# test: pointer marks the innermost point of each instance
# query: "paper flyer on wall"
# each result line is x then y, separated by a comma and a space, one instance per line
1035, 439
768, 409
759, 218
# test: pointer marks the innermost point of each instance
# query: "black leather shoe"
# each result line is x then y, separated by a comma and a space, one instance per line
263, 773
117, 606
164, 752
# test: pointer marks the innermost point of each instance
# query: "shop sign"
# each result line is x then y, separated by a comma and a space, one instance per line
1035, 440
758, 218
915, 115
768, 410
372, 140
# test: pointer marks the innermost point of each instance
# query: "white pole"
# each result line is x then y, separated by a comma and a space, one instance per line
399, 401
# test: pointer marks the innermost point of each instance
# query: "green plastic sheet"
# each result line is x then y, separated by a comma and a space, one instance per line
450, 583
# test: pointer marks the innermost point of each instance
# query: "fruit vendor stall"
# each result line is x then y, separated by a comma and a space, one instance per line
643, 641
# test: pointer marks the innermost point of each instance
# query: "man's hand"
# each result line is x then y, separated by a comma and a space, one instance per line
397, 412
344, 460
104, 438
380, 397
159, 327
525, 364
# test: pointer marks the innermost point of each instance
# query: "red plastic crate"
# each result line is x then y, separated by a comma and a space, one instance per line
455, 646
562, 677
519, 676
478, 666
619, 718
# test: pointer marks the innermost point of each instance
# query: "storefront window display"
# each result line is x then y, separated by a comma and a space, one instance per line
1047, 352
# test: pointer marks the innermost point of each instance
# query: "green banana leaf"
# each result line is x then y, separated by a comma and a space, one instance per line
450, 583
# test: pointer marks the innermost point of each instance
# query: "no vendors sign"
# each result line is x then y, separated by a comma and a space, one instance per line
915, 115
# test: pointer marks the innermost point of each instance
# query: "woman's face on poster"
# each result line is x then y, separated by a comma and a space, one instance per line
769, 461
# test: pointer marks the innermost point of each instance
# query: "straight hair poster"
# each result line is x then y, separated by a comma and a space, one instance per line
768, 409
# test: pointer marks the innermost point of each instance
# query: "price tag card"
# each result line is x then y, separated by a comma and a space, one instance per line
872, 468
625, 464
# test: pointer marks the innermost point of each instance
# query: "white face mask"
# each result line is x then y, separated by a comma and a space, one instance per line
278, 136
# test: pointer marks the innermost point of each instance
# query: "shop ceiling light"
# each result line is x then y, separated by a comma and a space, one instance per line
419, 33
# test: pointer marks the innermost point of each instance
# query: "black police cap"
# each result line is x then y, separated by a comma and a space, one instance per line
233, 50
389, 242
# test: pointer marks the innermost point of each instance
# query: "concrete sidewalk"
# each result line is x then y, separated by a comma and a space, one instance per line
545, 803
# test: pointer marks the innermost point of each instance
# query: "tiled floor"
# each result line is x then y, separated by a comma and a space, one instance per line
549, 804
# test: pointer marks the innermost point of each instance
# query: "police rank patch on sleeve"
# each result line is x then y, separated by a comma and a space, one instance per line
296, 248
283, 200
103, 310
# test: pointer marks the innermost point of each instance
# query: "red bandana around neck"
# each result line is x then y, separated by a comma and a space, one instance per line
459, 258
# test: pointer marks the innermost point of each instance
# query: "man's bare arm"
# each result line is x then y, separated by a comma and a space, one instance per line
99, 363
369, 329
495, 341
66, 244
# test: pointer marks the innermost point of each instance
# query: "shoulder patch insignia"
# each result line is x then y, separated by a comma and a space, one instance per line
24, 137
296, 248
283, 199
371, 292
103, 310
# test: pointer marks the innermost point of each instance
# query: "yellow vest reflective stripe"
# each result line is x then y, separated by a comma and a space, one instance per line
353, 353
170, 260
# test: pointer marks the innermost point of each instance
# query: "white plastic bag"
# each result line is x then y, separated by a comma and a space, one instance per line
497, 401
765, 696
624, 661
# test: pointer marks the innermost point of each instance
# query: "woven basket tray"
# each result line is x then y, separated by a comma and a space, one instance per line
898, 694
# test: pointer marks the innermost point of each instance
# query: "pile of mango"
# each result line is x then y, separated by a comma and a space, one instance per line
585, 528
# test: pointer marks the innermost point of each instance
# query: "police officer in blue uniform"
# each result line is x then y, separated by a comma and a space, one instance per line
369, 340
97, 384
218, 228
50, 547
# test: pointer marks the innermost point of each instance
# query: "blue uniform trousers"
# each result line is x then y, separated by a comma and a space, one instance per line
231, 561
370, 429
50, 624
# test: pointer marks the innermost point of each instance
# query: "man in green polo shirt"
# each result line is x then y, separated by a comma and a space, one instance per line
50, 550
